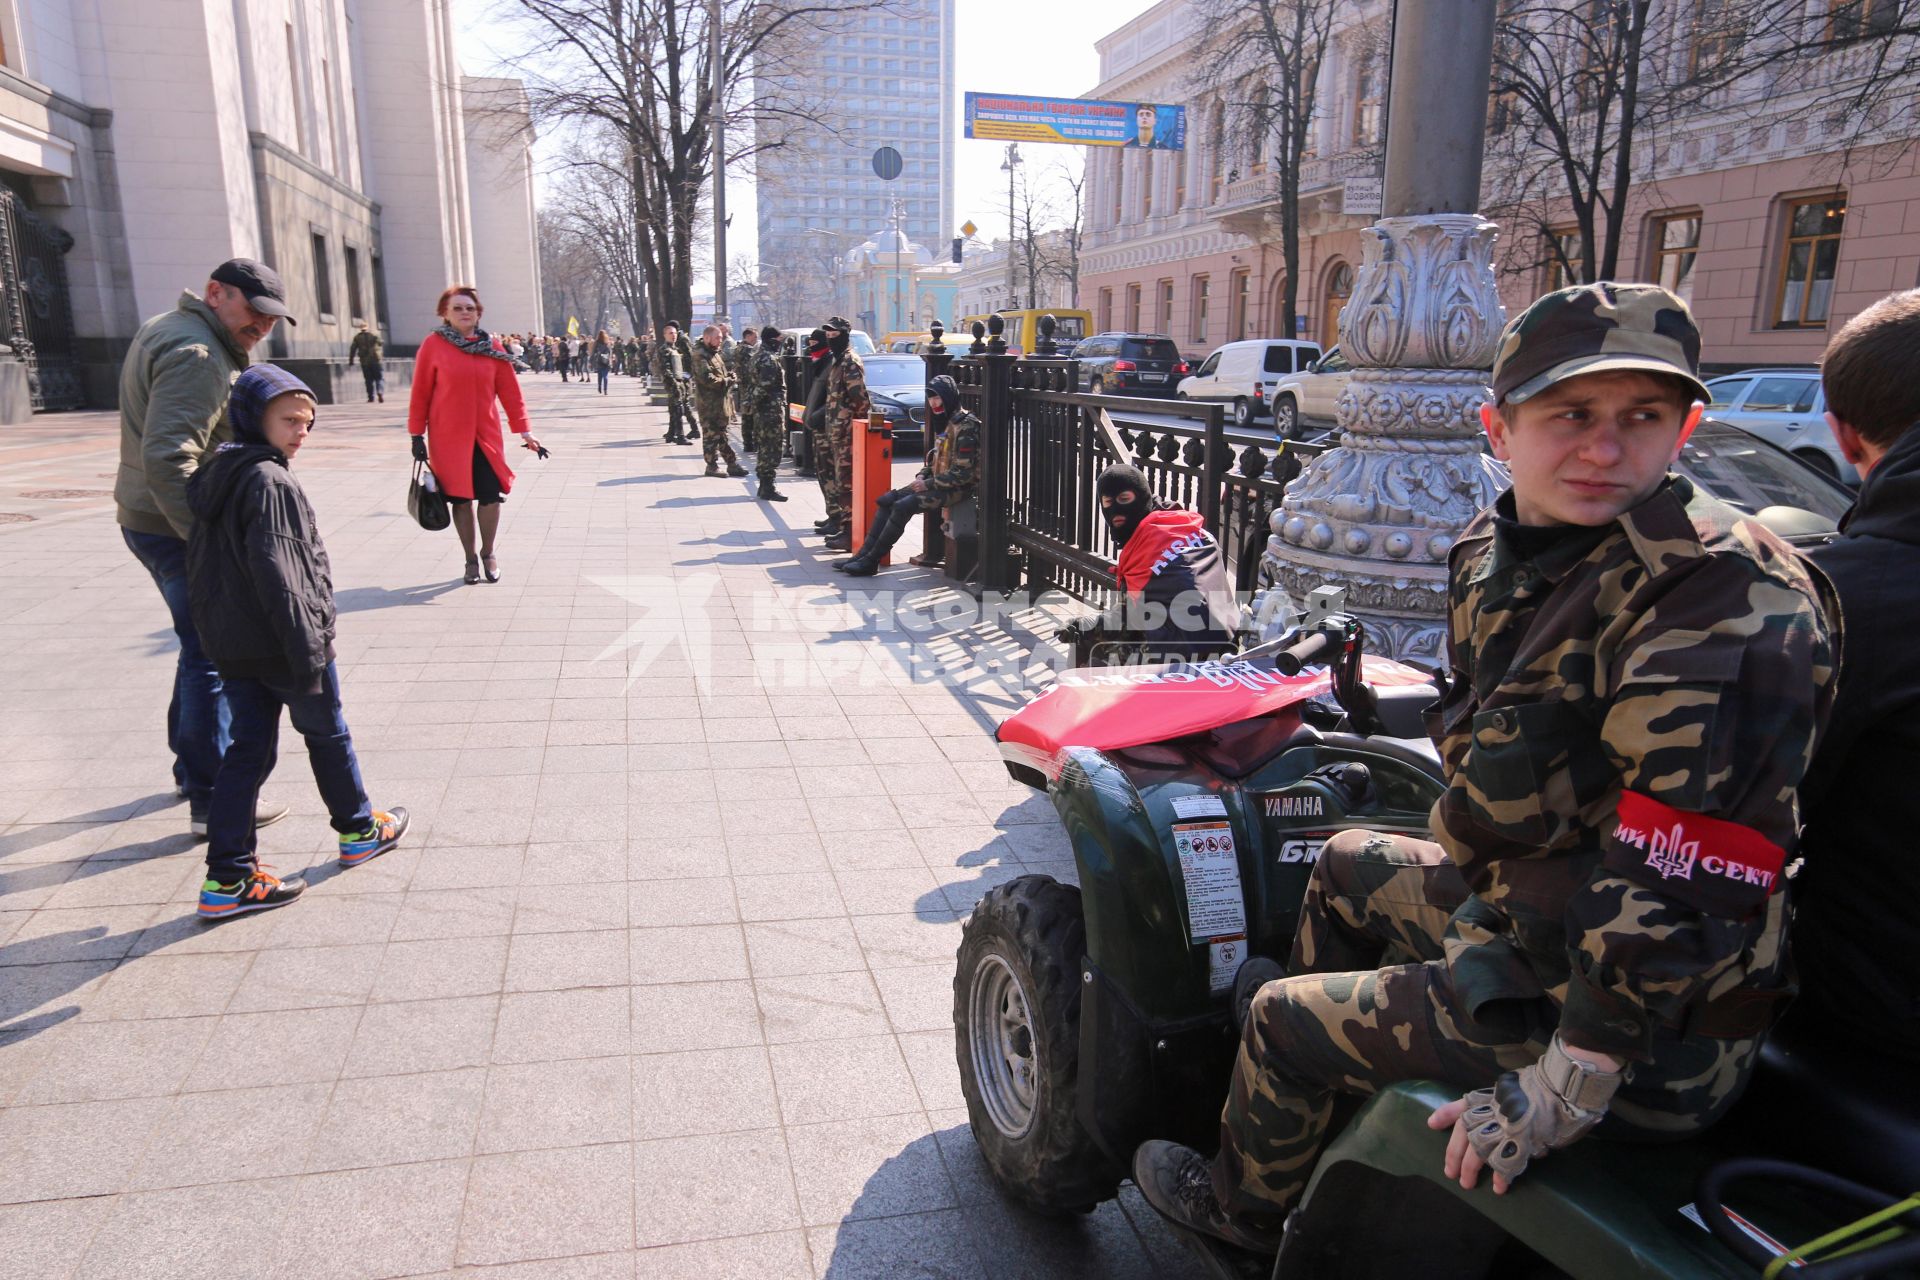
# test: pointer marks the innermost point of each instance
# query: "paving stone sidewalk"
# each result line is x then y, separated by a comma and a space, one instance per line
659, 983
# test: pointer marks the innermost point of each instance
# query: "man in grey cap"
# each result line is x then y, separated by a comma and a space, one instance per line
173, 396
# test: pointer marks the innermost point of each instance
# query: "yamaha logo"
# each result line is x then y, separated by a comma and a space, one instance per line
1295, 807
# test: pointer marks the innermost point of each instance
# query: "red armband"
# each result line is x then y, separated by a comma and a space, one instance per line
1714, 865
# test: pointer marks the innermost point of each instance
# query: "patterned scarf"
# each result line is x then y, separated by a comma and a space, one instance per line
480, 344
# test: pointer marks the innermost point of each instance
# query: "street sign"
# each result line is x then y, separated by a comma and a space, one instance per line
887, 164
1362, 196
968, 229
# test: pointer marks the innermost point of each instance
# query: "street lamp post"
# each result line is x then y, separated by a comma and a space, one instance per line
1378, 515
714, 45
1013, 162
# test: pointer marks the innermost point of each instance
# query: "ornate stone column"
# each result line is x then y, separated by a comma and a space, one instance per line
1378, 514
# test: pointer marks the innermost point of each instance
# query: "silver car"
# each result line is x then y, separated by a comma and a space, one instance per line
1312, 396
1786, 408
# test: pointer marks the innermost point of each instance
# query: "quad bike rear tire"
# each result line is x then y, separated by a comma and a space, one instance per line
1016, 1019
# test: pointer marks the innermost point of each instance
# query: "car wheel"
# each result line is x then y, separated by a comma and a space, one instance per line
1242, 412
1819, 462
1286, 417
1016, 1021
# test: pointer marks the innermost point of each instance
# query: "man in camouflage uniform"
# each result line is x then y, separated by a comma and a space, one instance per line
767, 411
743, 367
1597, 933
670, 371
846, 403
712, 381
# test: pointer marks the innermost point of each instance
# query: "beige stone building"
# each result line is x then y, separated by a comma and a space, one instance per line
142, 143
1777, 222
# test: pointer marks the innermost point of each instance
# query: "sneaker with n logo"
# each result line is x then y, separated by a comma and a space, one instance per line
358, 846
257, 892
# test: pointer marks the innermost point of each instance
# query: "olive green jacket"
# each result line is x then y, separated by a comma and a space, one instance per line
173, 411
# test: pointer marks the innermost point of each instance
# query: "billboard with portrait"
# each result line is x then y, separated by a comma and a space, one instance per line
1006, 117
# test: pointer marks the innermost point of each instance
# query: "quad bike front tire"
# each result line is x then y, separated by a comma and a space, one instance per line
1016, 1019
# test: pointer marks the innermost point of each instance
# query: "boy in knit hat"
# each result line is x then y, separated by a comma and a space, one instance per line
261, 594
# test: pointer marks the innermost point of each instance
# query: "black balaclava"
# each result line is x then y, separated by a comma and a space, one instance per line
770, 338
949, 393
817, 344
1123, 517
839, 334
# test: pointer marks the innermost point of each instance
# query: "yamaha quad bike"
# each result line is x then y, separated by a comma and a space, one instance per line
1091, 1018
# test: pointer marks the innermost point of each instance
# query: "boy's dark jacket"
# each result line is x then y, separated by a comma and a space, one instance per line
258, 581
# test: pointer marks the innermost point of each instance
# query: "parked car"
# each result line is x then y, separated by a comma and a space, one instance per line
897, 386
1784, 407
1130, 364
1311, 396
859, 340
1243, 374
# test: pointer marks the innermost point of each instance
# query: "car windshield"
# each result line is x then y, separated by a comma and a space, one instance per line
862, 344
895, 371
1751, 474
1070, 327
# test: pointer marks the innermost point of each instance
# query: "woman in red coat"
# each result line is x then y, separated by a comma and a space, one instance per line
458, 376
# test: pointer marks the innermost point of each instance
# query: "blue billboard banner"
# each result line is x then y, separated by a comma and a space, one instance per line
1005, 117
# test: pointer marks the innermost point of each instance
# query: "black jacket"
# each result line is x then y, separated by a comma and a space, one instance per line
258, 581
1857, 934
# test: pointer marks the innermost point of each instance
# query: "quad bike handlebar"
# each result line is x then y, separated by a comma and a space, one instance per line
1291, 659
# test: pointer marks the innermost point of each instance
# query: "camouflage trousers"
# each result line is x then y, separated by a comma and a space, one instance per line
769, 441
676, 412
714, 444
840, 443
1341, 1023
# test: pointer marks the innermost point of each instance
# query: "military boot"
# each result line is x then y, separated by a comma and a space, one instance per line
768, 493
1178, 1182
735, 470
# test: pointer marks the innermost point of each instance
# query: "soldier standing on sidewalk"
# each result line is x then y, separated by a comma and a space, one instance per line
766, 410
668, 369
712, 382
846, 403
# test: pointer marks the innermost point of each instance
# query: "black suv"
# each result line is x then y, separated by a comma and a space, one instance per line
1130, 364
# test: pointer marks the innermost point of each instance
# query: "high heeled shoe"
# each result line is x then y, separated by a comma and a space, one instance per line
492, 566
473, 571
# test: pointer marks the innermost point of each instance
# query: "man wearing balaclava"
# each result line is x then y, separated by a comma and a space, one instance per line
949, 476
766, 421
1178, 601
819, 465
846, 403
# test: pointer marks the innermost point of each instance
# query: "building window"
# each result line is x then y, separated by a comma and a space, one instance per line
1119, 176
1179, 163
1106, 311
1716, 36
1809, 259
1164, 320
379, 292
1133, 308
1339, 290
1146, 184
1237, 305
1565, 249
1676, 241
1202, 297
1369, 102
294, 79
1216, 151
356, 309
1855, 19
322, 277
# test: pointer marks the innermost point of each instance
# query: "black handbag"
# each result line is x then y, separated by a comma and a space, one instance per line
428, 507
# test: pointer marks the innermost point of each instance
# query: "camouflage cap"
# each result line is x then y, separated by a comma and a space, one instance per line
839, 323
1597, 328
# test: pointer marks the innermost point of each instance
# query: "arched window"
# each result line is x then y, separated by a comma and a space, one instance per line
1339, 290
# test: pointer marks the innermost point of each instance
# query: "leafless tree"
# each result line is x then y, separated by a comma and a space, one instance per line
572, 282
641, 70
592, 203
746, 283
1066, 186
1258, 75
1584, 92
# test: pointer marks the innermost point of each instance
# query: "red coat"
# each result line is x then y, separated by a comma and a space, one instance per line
454, 394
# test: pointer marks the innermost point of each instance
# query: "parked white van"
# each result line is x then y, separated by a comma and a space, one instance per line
1243, 374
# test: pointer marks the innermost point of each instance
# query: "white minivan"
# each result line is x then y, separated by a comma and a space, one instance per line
1242, 375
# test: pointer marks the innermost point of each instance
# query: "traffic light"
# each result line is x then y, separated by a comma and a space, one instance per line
957, 242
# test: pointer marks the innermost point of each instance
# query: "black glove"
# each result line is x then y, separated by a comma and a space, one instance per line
419, 448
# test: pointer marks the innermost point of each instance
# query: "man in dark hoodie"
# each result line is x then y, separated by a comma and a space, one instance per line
1856, 934
949, 476
1178, 603
261, 593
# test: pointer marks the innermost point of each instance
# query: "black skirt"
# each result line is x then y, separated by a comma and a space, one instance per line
486, 485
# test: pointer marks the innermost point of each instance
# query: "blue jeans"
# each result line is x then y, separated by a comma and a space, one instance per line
603, 380
318, 718
197, 717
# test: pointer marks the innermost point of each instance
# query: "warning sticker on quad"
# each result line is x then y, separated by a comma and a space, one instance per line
1211, 869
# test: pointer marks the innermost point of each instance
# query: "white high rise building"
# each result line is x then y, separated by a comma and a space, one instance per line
886, 77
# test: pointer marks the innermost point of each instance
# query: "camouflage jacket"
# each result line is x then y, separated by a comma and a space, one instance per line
846, 391
663, 364
1631, 710
953, 471
711, 377
769, 386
